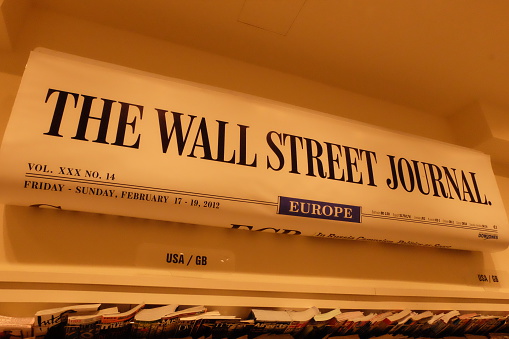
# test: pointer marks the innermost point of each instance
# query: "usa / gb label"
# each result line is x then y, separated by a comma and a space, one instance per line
165, 256
491, 279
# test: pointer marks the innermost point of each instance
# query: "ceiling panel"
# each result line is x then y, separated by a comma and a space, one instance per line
433, 55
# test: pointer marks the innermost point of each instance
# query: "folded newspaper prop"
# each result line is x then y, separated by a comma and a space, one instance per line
94, 137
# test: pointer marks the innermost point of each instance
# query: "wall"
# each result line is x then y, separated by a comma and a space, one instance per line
49, 256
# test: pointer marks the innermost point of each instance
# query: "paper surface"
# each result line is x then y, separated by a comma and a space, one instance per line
94, 137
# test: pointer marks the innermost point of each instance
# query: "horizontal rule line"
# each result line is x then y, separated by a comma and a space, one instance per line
145, 188
429, 222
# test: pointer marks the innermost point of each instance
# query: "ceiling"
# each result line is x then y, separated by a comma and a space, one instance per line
436, 56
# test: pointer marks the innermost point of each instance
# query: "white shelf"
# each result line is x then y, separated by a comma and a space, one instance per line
238, 290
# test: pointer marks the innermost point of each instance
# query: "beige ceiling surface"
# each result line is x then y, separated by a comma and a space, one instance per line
433, 55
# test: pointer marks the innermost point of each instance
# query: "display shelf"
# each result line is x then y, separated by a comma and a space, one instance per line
237, 291
221, 281
44, 296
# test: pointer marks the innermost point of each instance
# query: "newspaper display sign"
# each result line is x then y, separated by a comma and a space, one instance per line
94, 137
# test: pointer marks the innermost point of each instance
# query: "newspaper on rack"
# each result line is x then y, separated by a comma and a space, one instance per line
386, 324
113, 326
318, 326
186, 325
171, 321
290, 322
300, 319
412, 324
49, 323
147, 322
340, 322
354, 325
86, 326
216, 326
16, 327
